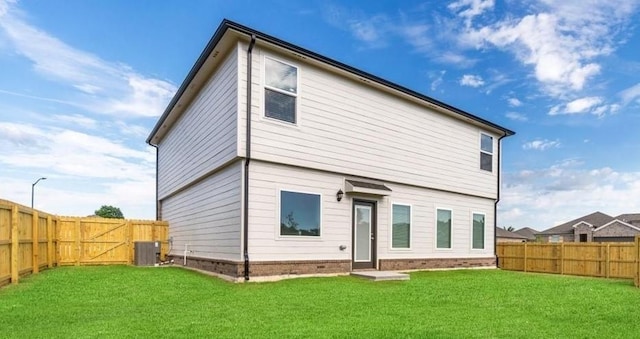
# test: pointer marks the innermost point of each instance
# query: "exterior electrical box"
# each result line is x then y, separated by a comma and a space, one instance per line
146, 253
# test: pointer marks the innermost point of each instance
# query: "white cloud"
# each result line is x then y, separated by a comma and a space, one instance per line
104, 86
579, 106
560, 42
418, 36
76, 120
541, 145
630, 94
438, 80
582, 105
470, 8
566, 191
67, 152
514, 102
516, 116
471, 80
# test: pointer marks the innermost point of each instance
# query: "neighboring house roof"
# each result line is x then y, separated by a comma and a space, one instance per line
528, 232
596, 219
502, 233
230, 25
616, 221
629, 217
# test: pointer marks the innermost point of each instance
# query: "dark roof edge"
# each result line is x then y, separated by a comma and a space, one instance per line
228, 24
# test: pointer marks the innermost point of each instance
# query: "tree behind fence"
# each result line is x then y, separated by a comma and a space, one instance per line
32, 240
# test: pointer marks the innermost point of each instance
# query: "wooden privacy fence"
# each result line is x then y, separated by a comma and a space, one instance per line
32, 240
607, 260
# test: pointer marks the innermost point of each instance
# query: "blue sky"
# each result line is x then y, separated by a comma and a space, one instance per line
83, 82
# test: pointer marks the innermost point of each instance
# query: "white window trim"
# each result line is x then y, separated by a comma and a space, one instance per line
485, 231
492, 153
263, 86
435, 229
400, 249
278, 216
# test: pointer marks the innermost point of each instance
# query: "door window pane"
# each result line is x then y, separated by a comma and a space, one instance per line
363, 234
299, 214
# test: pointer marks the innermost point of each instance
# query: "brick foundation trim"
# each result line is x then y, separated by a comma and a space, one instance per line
298, 267
235, 269
431, 263
229, 268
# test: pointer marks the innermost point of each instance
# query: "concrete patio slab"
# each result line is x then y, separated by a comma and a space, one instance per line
381, 275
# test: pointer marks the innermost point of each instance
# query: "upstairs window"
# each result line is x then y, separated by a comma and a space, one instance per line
486, 152
280, 90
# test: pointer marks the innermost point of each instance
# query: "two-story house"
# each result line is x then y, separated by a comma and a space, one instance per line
275, 160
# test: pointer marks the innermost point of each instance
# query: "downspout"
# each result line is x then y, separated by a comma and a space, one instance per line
247, 160
495, 205
157, 202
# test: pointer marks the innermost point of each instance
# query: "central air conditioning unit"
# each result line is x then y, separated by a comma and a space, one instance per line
146, 253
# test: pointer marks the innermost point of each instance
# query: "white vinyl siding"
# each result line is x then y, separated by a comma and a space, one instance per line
265, 244
206, 216
205, 136
347, 126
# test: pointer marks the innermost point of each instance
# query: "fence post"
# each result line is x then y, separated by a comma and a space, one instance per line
35, 242
129, 242
525, 257
15, 244
608, 262
49, 242
78, 244
561, 258
637, 265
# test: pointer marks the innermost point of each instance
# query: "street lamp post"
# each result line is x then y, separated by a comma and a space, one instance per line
33, 187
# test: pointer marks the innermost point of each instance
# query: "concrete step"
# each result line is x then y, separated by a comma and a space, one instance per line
381, 275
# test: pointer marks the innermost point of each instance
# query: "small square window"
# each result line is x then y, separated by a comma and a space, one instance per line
281, 91
299, 214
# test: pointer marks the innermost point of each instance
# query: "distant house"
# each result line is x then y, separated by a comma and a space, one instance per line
275, 160
595, 227
528, 232
503, 235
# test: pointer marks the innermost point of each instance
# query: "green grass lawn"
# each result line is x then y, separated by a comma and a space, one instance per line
120, 301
